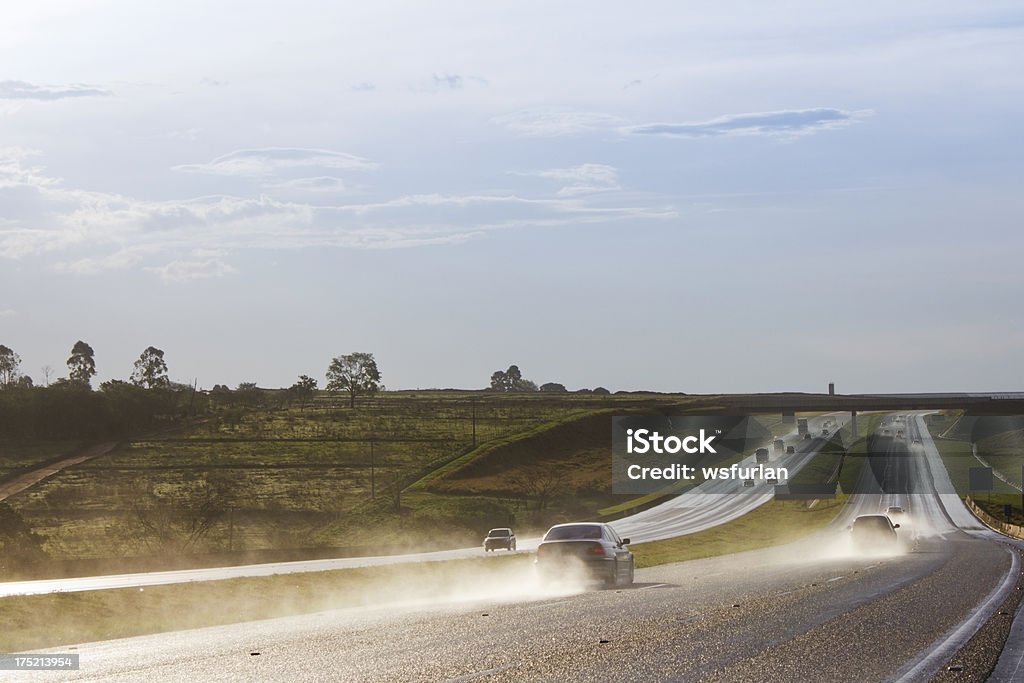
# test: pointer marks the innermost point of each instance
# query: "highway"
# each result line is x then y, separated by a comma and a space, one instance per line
815, 610
710, 504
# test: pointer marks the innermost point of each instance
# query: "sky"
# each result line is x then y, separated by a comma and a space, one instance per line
672, 196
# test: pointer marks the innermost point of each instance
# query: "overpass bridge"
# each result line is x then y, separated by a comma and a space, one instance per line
1001, 403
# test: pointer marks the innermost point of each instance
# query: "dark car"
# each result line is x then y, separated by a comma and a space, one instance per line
790, 450
874, 532
500, 538
593, 545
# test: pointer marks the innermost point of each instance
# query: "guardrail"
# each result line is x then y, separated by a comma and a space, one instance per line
1011, 530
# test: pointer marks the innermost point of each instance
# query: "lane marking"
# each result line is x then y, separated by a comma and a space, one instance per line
657, 585
936, 654
838, 578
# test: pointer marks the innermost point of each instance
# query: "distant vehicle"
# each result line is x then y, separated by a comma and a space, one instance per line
500, 538
761, 454
772, 480
807, 435
790, 450
917, 441
801, 426
747, 483
896, 514
779, 445
824, 432
899, 433
874, 532
592, 545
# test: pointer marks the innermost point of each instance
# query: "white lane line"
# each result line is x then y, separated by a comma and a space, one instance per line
938, 652
838, 578
657, 585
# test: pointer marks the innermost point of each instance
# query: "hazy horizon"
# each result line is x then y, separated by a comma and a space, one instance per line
702, 198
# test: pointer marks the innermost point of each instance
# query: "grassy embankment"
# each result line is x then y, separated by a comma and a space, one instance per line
1002, 450
295, 478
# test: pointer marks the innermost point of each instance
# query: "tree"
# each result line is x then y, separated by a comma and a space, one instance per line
20, 546
10, 364
303, 389
150, 369
553, 387
601, 390
355, 373
511, 380
81, 364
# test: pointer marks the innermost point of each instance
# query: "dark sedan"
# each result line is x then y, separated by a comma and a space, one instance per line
591, 545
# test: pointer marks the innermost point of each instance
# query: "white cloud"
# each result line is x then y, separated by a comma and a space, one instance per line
22, 90
582, 179
46, 217
187, 270
314, 184
553, 122
786, 122
269, 161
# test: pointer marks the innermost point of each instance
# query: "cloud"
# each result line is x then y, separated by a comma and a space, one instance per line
315, 184
451, 81
272, 160
786, 122
180, 240
553, 122
119, 260
203, 265
582, 179
22, 90
7, 313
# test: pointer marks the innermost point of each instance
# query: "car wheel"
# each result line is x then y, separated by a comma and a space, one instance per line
613, 576
513, 547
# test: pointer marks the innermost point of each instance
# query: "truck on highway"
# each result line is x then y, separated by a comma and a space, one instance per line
779, 445
761, 454
801, 426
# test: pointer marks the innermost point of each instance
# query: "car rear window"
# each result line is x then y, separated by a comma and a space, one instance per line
573, 531
498, 532
875, 522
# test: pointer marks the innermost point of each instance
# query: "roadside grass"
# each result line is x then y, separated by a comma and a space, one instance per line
38, 621
1004, 452
836, 463
42, 621
774, 523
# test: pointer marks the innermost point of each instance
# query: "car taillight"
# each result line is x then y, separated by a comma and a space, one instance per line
596, 549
